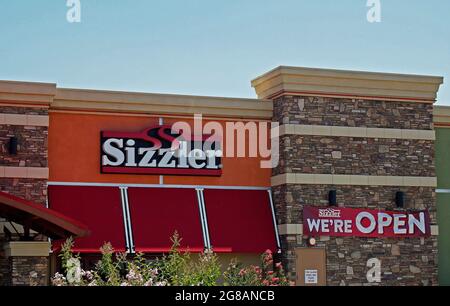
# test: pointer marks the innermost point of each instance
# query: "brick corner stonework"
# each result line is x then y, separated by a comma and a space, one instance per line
32, 153
408, 261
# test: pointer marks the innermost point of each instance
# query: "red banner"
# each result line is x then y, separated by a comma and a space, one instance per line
337, 221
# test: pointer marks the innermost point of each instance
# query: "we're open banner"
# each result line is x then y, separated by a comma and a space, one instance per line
336, 221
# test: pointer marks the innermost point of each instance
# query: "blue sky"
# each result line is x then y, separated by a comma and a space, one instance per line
215, 47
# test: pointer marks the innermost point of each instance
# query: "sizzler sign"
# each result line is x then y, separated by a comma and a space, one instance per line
159, 150
353, 222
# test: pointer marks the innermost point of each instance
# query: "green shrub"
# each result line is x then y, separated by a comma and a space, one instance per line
238, 275
265, 275
174, 269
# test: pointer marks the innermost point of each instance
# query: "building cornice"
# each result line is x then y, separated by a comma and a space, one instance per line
102, 101
150, 103
27, 93
285, 80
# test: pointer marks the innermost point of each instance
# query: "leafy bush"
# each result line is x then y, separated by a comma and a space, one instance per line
238, 275
175, 269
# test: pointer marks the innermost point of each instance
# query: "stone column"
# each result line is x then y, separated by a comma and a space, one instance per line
367, 136
24, 173
28, 263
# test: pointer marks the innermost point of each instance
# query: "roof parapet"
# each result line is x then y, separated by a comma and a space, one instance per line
285, 80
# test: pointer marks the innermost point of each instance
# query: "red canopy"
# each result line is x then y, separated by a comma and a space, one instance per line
143, 219
39, 218
156, 213
98, 207
240, 221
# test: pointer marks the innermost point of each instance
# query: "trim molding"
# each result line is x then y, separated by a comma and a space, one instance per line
434, 230
27, 249
441, 116
124, 114
290, 229
29, 93
354, 180
322, 130
13, 104
297, 229
25, 120
24, 172
348, 96
161, 104
54, 183
345, 83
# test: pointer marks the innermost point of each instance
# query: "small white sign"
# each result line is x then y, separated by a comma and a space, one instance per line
311, 277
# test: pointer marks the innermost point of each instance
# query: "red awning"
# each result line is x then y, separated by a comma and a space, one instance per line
240, 221
156, 213
143, 219
39, 218
100, 208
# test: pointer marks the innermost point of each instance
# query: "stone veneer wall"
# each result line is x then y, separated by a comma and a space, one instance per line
31, 141
368, 156
5, 267
31, 189
22, 275
411, 261
32, 152
353, 112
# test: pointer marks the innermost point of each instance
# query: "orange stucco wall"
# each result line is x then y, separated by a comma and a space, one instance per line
74, 153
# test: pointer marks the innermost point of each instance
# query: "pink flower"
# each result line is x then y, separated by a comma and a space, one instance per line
275, 279
268, 251
279, 265
269, 272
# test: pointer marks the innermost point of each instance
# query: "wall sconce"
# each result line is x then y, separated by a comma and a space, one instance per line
400, 199
12, 146
332, 198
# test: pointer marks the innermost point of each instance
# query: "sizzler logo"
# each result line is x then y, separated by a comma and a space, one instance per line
158, 150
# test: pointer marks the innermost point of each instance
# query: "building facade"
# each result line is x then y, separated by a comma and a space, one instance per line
349, 142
